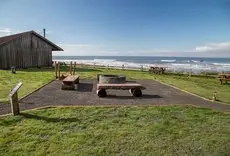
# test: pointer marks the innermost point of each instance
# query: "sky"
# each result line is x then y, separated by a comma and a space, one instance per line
183, 28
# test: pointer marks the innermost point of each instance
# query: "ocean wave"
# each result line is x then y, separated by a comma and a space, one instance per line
195, 61
185, 61
221, 64
105, 60
181, 64
177, 66
168, 60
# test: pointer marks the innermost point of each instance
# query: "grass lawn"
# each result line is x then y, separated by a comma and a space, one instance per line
199, 85
171, 130
33, 78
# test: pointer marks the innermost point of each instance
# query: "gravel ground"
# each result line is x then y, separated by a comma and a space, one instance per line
85, 94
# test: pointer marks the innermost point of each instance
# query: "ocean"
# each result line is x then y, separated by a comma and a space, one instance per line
175, 64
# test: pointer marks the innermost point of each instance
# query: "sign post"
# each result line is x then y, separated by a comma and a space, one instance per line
14, 99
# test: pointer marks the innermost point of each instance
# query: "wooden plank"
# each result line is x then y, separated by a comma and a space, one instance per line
71, 78
125, 86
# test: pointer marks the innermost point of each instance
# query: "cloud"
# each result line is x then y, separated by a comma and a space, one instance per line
5, 31
77, 49
105, 50
8, 31
220, 47
75, 45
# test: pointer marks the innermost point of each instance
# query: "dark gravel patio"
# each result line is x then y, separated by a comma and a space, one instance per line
85, 94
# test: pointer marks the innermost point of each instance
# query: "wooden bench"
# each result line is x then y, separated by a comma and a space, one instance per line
157, 70
134, 88
69, 82
224, 78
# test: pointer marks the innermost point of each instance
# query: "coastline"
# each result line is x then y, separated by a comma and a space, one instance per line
144, 69
172, 64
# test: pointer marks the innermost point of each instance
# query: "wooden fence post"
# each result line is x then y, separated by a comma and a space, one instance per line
56, 70
59, 74
123, 66
14, 99
141, 68
190, 73
74, 68
70, 68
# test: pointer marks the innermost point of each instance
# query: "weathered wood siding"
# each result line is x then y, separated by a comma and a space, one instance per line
26, 51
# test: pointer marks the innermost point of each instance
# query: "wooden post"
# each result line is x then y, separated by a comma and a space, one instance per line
14, 99
214, 97
108, 66
141, 68
56, 69
70, 68
74, 68
123, 66
59, 74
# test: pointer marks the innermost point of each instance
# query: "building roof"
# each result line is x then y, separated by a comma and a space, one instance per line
6, 39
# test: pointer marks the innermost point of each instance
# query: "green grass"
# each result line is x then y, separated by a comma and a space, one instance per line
170, 130
199, 85
33, 78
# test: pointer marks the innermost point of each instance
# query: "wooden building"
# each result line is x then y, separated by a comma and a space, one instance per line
24, 50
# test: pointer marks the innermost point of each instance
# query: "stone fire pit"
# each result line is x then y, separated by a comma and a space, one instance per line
111, 79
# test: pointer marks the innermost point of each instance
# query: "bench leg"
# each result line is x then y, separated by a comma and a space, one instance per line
77, 81
131, 91
67, 87
101, 93
136, 92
